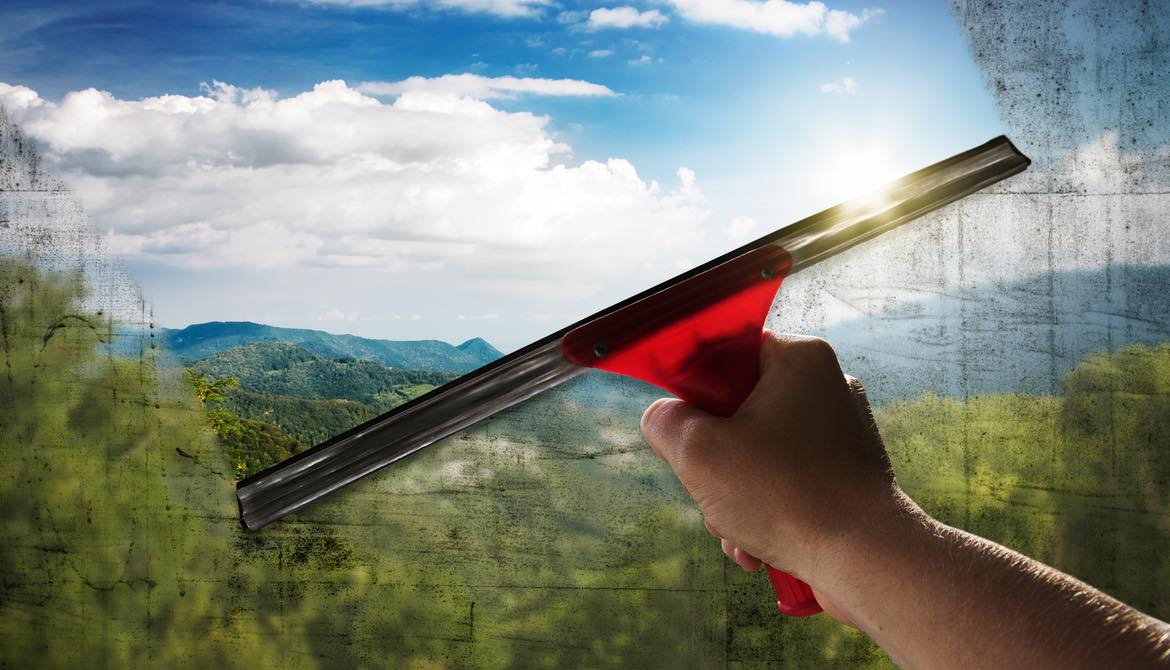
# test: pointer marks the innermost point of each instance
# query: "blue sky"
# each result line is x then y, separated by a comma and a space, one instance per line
771, 125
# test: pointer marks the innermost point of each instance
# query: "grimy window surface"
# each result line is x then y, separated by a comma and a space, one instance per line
1033, 410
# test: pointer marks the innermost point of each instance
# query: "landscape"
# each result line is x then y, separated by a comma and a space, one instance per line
1016, 346
546, 537
270, 396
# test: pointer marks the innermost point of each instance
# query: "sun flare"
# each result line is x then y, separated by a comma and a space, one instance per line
856, 171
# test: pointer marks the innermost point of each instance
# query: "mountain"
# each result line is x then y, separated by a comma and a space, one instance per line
201, 340
307, 396
281, 369
479, 349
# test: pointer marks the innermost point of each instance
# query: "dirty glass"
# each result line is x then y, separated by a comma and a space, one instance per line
1016, 346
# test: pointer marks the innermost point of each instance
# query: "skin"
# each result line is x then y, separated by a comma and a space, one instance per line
799, 478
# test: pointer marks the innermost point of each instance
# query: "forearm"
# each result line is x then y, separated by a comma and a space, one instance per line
933, 596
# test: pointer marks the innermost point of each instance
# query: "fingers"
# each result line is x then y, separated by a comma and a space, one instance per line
728, 548
711, 529
745, 560
670, 426
788, 364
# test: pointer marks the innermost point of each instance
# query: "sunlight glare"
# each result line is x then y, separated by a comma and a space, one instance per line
856, 171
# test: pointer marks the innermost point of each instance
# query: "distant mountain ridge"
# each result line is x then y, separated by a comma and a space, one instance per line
202, 340
308, 396
277, 368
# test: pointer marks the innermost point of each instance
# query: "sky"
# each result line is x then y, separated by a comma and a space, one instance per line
412, 169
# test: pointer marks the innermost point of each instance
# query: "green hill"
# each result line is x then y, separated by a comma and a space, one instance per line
272, 368
309, 397
201, 340
309, 421
258, 445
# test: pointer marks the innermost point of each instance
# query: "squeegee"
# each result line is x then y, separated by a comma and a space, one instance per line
697, 336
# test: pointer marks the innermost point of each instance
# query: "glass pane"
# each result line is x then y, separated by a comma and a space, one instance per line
1013, 344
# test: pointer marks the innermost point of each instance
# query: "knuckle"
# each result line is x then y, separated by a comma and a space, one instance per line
855, 385
819, 346
818, 352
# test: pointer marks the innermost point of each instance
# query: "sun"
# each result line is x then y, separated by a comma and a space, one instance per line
859, 170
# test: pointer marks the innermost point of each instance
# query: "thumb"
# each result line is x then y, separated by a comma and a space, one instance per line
671, 427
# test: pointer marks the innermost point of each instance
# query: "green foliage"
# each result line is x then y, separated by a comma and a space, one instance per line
250, 445
96, 546
306, 396
270, 368
1078, 481
208, 391
224, 423
256, 445
549, 537
308, 421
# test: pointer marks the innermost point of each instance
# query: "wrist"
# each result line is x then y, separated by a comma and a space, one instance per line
862, 554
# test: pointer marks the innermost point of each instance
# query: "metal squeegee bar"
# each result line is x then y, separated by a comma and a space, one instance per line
298, 481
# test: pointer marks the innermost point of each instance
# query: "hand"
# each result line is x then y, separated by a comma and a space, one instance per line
798, 466
800, 479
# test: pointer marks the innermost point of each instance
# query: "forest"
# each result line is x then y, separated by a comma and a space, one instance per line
546, 537
274, 399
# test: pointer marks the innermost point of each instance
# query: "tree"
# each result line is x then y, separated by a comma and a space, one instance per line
208, 391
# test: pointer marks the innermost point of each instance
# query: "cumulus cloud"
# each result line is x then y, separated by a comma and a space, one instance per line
774, 17
502, 8
486, 88
601, 53
846, 86
625, 17
332, 177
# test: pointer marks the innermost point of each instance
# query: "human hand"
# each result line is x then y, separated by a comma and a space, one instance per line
799, 478
799, 465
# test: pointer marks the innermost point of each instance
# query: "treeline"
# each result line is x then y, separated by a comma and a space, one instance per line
273, 368
309, 422
278, 399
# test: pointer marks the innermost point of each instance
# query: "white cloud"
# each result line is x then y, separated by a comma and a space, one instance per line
740, 229
601, 53
774, 17
432, 180
846, 86
485, 88
571, 16
502, 8
337, 314
625, 17
644, 59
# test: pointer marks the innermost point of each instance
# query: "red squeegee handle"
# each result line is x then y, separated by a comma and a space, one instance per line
700, 340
